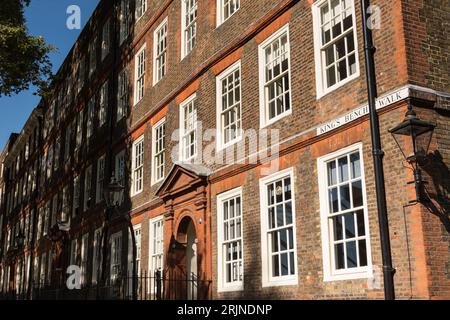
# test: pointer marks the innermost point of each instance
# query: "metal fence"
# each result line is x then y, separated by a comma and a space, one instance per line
148, 286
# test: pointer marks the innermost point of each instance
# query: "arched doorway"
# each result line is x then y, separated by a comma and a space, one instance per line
187, 258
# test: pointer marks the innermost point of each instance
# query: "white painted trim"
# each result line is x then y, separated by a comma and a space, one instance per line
143, 13
219, 145
150, 242
221, 286
184, 54
181, 155
267, 280
136, 67
219, 13
264, 122
321, 91
328, 273
155, 48
133, 165
157, 125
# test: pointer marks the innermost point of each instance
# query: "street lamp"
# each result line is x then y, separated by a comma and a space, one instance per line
112, 192
413, 138
20, 240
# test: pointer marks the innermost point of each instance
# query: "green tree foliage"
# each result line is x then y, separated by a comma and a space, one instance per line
24, 59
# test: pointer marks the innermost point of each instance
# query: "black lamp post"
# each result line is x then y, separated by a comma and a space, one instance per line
413, 138
112, 192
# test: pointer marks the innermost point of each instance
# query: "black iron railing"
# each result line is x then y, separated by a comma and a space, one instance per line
149, 286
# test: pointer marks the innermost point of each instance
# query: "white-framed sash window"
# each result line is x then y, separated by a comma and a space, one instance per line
278, 229
139, 83
138, 166
344, 215
188, 128
335, 44
158, 151
188, 26
229, 106
230, 241
160, 52
156, 241
275, 77
225, 9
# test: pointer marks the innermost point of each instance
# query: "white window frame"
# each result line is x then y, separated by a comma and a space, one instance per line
73, 251
137, 228
222, 285
100, 179
220, 134
76, 195
155, 140
120, 156
328, 273
321, 89
103, 103
156, 56
84, 259
87, 194
267, 279
139, 74
140, 9
96, 256
90, 118
264, 107
116, 253
138, 237
106, 39
92, 56
220, 12
79, 132
152, 253
183, 105
184, 47
122, 97
124, 21
137, 171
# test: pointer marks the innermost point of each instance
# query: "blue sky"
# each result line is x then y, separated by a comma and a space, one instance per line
46, 18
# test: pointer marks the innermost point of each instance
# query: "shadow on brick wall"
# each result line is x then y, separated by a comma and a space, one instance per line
438, 188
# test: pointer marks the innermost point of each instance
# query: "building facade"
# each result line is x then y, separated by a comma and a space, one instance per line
240, 132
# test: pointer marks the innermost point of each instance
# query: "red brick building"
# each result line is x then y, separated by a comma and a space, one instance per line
163, 95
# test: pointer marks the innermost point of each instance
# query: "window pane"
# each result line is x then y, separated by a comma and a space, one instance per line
362, 253
275, 266
361, 224
345, 197
332, 173
340, 260
357, 193
283, 240
288, 212
280, 214
338, 234
352, 261
334, 203
349, 226
355, 165
284, 264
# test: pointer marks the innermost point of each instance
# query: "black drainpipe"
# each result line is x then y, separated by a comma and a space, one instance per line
388, 270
